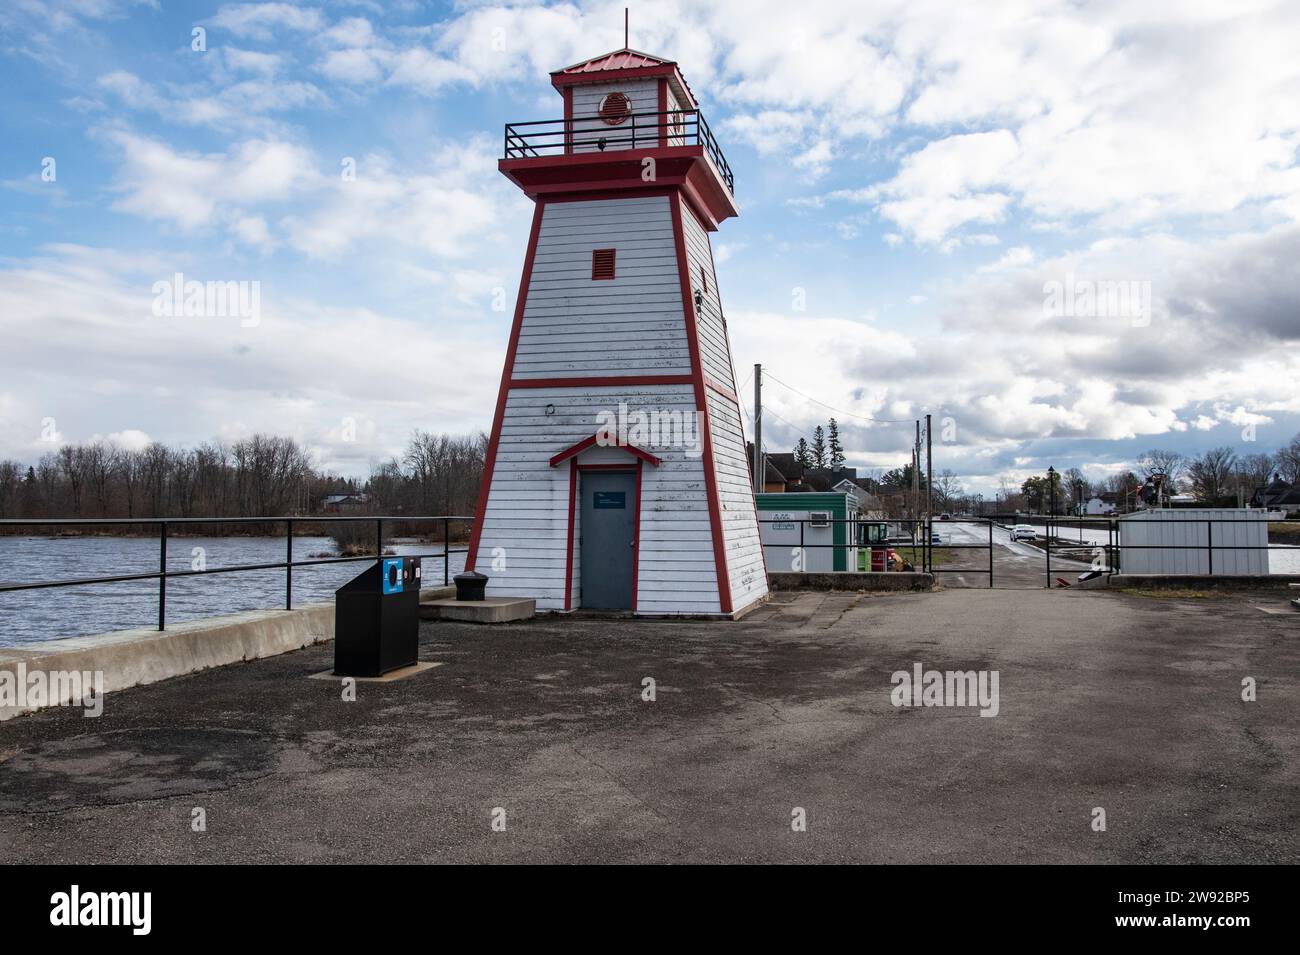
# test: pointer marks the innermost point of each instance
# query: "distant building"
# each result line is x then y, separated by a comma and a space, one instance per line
343, 503
1276, 495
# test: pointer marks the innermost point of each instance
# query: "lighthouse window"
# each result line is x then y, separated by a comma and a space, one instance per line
602, 264
615, 109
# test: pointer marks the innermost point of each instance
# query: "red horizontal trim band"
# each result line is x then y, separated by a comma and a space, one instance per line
601, 381
721, 389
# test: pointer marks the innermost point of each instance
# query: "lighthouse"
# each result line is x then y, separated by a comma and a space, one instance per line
616, 474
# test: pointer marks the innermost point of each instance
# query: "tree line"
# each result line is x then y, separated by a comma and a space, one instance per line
1217, 477
260, 476
825, 449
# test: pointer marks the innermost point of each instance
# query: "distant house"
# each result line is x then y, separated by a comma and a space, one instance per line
343, 503
1276, 495
824, 479
781, 471
1101, 504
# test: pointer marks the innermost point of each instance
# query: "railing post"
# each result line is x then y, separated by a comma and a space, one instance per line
803, 555
162, 575
288, 565
379, 543
990, 523
1209, 543
1047, 548
446, 554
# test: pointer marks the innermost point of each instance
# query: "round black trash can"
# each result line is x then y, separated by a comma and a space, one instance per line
470, 585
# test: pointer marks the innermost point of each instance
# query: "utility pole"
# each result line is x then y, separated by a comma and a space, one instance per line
929, 497
758, 430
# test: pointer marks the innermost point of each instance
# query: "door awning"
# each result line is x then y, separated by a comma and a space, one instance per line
586, 443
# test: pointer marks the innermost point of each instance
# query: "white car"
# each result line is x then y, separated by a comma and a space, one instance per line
1023, 532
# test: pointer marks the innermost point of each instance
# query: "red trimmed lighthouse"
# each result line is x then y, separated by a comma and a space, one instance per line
616, 473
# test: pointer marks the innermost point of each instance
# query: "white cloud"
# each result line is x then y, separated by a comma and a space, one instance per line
299, 372
192, 190
259, 21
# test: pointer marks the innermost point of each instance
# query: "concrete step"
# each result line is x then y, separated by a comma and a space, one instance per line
488, 610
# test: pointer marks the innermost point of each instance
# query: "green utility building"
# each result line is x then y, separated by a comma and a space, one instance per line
829, 530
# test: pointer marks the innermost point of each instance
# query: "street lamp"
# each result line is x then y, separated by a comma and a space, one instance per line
1051, 493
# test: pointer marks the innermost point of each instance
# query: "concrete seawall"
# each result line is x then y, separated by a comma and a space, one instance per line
129, 658
143, 655
1204, 581
838, 580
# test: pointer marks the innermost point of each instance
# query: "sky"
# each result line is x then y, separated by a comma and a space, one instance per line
930, 193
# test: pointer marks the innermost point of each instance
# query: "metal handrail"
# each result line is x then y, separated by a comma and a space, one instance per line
558, 137
162, 574
1111, 548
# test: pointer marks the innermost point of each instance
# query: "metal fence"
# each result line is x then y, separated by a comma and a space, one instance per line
162, 574
1109, 557
919, 538
1052, 537
646, 130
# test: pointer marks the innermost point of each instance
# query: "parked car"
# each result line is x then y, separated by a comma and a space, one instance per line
1023, 532
945, 517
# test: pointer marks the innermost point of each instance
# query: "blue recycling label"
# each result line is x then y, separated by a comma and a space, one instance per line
393, 576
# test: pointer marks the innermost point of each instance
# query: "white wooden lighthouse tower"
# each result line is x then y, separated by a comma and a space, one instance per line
616, 474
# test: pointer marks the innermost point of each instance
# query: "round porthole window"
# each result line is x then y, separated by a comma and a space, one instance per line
615, 108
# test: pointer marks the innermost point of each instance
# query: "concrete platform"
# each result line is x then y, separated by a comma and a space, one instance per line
1126, 702
389, 677
489, 610
841, 580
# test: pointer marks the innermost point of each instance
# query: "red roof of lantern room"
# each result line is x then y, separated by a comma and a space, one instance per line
624, 64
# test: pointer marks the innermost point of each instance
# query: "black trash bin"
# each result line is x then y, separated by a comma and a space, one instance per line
470, 585
377, 619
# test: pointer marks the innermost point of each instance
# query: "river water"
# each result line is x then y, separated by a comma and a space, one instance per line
35, 615
31, 616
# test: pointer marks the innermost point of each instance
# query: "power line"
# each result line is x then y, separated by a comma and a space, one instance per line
849, 414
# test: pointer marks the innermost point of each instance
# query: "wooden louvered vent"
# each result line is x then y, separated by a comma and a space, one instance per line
602, 264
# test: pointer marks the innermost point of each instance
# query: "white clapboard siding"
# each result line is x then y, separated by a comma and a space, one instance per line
528, 501
643, 97
744, 554
714, 350
572, 326
630, 325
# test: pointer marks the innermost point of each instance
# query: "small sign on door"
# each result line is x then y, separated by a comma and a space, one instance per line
610, 499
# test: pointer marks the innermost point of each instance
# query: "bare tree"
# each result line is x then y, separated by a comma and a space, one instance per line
1287, 460
1211, 474
11, 476
1171, 463
98, 462
947, 487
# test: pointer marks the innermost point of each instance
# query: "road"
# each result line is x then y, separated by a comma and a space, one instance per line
1015, 563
